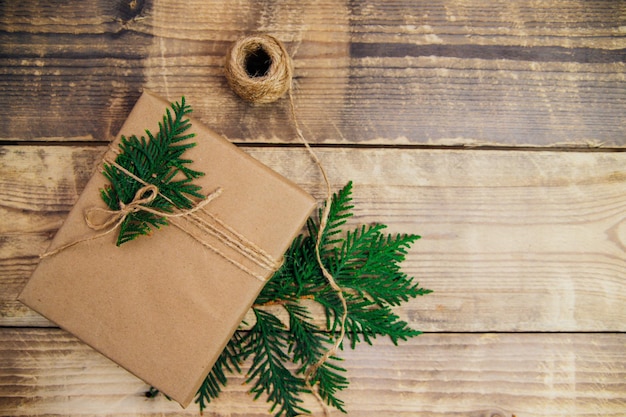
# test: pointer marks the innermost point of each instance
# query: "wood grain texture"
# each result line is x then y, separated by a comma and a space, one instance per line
69, 70
47, 372
512, 241
377, 72
515, 242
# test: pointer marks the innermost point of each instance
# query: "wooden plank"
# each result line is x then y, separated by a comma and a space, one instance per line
377, 72
46, 372
512, 241
69, 70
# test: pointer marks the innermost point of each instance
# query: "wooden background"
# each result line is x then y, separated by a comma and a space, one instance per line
494, 129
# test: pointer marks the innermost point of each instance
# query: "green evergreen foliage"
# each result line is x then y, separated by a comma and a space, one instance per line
157, 160
366, 264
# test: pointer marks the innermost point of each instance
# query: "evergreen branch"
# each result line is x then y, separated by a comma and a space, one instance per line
366, 264
369, 320
228, 361
307, 345
156, 160
369, 263
266, 342
340, 211
330, 380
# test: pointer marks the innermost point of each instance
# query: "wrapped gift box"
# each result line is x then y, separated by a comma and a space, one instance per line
164, 306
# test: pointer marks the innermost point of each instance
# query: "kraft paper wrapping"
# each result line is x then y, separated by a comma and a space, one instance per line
164, 306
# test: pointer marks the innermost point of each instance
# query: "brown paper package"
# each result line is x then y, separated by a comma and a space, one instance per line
164, 306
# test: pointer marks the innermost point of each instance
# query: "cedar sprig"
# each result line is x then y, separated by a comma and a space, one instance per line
366, 264
267, 344
157, 160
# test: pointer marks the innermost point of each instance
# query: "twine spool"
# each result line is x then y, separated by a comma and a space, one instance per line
258, 68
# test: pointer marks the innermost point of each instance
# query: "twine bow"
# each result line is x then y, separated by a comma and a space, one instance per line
114, 218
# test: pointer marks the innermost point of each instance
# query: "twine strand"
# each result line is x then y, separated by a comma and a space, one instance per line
99, 219
266, 89
323, 223
222, 232
199, 229
114, 218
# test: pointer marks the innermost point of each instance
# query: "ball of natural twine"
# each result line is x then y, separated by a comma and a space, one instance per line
258, 68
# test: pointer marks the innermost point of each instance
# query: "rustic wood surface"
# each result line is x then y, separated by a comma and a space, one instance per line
376, 72
494, 129
503, 246
487, 375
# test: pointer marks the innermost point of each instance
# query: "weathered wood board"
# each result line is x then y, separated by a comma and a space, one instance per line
511, 241
372, 72
50, 373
